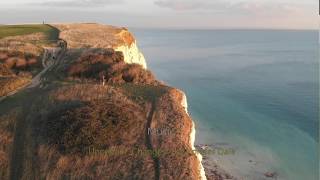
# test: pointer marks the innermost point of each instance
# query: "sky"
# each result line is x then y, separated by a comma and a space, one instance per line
180, 14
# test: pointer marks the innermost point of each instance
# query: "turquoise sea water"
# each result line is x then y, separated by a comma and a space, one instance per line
257, 90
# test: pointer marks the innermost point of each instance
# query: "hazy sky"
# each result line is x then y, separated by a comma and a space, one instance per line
292, 14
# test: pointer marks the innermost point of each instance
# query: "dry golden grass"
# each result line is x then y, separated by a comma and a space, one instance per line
29, 37
32, 61
85, 92
7, 123
94, 35
76, 117
5, 71
81, 116
11, 62
18, 46
21, 63
21, 44
3, 56
10, 84
18, 61
4, 162
97, 166
68, 118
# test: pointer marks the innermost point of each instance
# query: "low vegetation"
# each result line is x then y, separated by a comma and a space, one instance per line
10, 84
13, 78
21, 48
5, 71
7, 125
74, 118
92, 35
50, 32
20, 61
109, 65
90, 100
143, 92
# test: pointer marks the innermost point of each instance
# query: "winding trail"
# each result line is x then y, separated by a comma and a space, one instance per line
22, 135
156, 160
22, 130
18, 150
35, 81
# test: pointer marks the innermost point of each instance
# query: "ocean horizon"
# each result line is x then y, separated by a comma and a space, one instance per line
255, 90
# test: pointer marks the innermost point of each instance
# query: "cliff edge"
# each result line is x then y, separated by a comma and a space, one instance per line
96, 112
102, 36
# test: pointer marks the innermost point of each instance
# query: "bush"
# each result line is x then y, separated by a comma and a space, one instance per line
110, 65
3, 56
18, 61
5, 71
21, 63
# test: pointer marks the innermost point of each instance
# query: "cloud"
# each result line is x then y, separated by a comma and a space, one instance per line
79, 3
240, 8
183, 5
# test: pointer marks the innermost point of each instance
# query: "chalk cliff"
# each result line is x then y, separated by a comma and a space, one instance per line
120, 39
91, 113
184, 104
132, 54
102, 36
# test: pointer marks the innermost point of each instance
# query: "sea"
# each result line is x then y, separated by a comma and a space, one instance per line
254, 90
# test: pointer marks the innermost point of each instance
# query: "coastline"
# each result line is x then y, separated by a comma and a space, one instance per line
213, 129
208, 168
219, 130
132, 54
121, 39
192, 137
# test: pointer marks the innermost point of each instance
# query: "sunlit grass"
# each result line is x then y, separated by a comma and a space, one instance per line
16, 30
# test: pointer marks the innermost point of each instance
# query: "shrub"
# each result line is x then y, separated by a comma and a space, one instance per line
32, 61
3, 56
5, 71
110, 64
21, 63
11, 62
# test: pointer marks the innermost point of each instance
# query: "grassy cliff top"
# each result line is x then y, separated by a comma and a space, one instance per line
50, 33
93, 35
89, 101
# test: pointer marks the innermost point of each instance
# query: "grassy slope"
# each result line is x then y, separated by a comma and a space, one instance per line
32, 154
16, 30
51, 35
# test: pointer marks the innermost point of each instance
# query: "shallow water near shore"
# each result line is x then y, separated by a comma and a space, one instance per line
255, 90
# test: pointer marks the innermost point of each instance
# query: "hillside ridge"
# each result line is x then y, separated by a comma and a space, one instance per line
93, 111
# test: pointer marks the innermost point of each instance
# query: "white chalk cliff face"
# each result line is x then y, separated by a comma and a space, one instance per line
132, 54
192, 138
92, 35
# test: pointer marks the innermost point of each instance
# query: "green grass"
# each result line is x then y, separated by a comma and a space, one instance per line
50, 32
